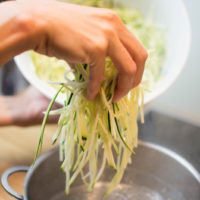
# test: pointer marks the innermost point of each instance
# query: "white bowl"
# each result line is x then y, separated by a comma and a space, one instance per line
170, 13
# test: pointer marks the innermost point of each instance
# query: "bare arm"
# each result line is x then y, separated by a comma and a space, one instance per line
77, 34
18, 31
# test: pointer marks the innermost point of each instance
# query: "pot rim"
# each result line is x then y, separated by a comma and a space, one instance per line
178, 158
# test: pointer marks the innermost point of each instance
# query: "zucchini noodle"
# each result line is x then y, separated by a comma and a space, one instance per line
87, 128
100, 131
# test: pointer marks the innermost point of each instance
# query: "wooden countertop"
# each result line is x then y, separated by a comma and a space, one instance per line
17, 147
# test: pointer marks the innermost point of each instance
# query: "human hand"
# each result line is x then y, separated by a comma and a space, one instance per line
80, 34
25, 108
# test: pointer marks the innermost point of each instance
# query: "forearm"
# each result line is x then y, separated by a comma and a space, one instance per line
19, 30
51, 29
25, 108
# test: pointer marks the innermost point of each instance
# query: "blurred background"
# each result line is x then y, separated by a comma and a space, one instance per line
184, 95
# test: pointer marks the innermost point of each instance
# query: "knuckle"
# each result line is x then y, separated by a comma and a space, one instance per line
142, 57
145, 55
111, 16
96, 45
130, 71
24, 22
84, 57
100, 46
109, 30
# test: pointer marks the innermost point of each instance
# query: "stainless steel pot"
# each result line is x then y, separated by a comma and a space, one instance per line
156, 173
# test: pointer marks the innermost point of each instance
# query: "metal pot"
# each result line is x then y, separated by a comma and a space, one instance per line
156, 173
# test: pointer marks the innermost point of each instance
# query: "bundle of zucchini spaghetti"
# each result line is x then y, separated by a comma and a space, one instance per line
87, 128
94, 134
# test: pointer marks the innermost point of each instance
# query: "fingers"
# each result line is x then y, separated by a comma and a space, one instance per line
136, 51
96, 76
72, 65
125, 66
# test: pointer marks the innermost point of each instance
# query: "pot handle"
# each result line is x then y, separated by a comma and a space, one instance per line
4, 180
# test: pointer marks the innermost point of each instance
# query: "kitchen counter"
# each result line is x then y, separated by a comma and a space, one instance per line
17, 147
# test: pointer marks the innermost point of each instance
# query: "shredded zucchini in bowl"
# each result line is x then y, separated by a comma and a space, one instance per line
87, 128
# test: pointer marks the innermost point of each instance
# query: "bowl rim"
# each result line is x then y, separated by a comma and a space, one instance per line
167, 85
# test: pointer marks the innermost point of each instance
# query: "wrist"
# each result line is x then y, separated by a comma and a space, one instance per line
31, 26
23, 29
